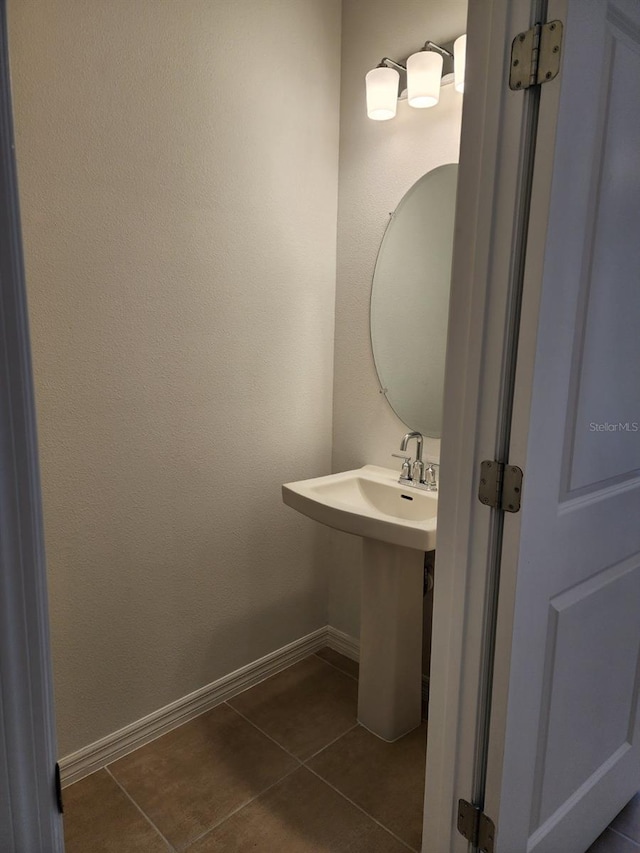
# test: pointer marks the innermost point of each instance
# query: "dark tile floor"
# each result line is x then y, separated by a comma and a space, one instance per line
623, 833
281, 768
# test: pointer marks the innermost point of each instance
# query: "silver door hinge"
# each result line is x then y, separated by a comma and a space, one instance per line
500, 485
535, 55
476, 827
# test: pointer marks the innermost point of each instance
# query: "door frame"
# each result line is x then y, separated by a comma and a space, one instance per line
492, 210
29, 817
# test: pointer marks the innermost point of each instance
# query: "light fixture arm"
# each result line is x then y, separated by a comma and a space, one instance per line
428, 45
431, 45
385, 62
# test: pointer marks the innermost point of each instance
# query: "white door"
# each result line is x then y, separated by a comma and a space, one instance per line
564, 746
562, 755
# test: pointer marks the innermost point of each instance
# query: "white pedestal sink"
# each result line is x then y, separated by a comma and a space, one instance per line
398, 524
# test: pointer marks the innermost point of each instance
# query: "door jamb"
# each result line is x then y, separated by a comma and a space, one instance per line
494, 128
29, 818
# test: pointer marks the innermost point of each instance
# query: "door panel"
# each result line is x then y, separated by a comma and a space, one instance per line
608, 365
589, 689
565, 756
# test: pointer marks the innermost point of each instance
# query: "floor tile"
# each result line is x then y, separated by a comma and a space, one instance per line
304, 707
99, 818
385, 779
342, 662
628, 821
299, 815
376, 840
195, 776
611, 842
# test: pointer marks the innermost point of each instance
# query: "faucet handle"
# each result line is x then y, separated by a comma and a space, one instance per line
430, 476
406, 465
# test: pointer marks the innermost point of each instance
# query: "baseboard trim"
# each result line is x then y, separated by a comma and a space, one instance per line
343, 643
97, 755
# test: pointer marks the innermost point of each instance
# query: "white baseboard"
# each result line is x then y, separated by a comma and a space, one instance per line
97, 755
343, 643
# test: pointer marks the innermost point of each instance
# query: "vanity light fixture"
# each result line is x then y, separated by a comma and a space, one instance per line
423, 74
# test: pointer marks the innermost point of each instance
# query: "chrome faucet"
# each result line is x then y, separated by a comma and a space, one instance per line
417, 469
414, 473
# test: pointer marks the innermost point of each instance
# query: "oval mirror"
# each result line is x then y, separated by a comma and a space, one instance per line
410, 300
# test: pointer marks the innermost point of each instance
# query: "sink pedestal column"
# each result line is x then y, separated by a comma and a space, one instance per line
390, 687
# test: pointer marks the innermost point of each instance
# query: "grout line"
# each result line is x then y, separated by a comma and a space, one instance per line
333, 665
239, 809
301, 761
337, 790
144, 814
262, 732
625, 836
360, 809
331, 743
268, 788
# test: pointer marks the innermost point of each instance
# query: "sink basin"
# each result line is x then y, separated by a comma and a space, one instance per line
369, 502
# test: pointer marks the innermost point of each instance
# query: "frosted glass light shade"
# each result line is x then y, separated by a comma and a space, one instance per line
382, 93
459, 62
424, 72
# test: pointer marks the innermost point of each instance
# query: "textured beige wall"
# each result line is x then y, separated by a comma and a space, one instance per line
178, 175
379, 162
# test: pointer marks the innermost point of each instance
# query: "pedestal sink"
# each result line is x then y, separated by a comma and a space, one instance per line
397, 524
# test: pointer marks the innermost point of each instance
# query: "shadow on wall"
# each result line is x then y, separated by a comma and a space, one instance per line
240, 636
258, 607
